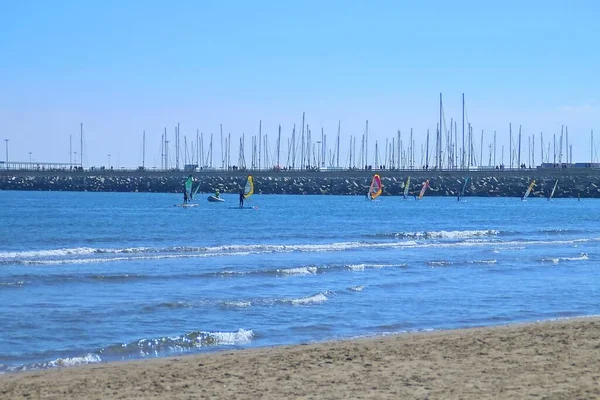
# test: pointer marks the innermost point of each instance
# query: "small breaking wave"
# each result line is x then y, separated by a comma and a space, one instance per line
556, 260
483, 261
364, 266
298, 271
439, 263
142, 348
440, 234
12, 284
309, 300
356, 288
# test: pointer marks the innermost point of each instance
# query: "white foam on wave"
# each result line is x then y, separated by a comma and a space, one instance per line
315, 299
362, 267
451, 234
78, 255
356, 288
483, 261
298, 271
439, 263
241, 336
12, 284
556, 260
78, 251
73, 361
237, 304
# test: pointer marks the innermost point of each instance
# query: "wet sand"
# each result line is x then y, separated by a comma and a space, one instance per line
549, 360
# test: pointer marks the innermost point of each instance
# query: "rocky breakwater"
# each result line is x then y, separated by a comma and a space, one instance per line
584, 183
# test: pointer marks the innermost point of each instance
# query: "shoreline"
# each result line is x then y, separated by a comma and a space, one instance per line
557, 359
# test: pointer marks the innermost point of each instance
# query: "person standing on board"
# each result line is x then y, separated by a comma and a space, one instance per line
242, 198
185, 197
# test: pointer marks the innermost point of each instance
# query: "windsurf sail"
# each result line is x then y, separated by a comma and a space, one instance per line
462, 193
376, 187
196, 190
406, 186
188, 186
553, 190
531, 185
423, 189
249, 187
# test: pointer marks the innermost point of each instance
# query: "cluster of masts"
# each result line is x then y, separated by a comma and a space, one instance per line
449, 149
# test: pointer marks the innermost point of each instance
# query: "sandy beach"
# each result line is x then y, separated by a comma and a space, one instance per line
556, 360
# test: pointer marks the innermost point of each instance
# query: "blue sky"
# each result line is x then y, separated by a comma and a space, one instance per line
124, 67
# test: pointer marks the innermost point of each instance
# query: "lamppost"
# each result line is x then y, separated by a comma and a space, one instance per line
109, 161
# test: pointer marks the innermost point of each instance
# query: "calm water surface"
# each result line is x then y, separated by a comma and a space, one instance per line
93, 277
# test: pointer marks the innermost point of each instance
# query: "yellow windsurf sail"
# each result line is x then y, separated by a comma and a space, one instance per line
529, 189
249, 187
406, 186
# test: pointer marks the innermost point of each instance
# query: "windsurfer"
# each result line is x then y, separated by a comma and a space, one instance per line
185, 197
242, 198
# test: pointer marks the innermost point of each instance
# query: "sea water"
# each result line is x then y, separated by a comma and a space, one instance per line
96, 277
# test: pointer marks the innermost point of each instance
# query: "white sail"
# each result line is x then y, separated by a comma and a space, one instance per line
553, 189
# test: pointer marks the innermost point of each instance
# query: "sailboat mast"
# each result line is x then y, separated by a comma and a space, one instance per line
293, 147
367, 143
481, 150
337, 152
440, 137
80, 144
542, 146
510, 144
519, 153
278, 146
533, 150
427, 151
567, 143
259, 142
302, 155
463, 132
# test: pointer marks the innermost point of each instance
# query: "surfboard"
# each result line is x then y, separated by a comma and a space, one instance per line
244, 208
185, 205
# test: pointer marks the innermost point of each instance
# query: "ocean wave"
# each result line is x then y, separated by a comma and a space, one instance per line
298, 271
483, 261
75, 256
150, 347
556, 260
12, 284
308, 300
237, 304
440, 234
439, 263
356, 288
177, 344
363, 266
